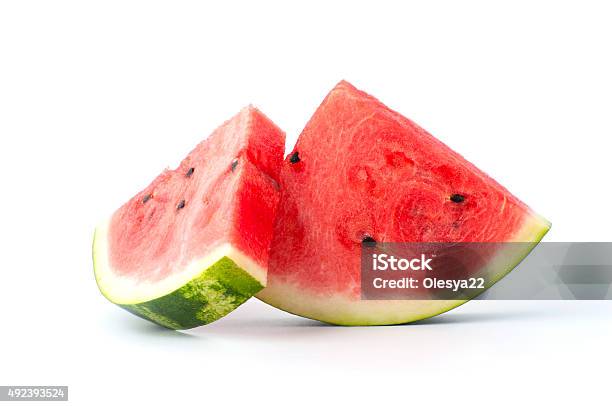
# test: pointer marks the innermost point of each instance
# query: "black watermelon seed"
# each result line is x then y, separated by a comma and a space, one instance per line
190, 172
234, 164
295, 158
368, 241
181, 205
457, 198
146, 198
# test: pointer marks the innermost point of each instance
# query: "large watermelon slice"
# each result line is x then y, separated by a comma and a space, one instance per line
193, 245
362, 172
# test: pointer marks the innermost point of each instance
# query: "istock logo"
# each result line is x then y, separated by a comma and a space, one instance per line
384, 262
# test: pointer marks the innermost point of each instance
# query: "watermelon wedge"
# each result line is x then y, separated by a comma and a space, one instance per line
361, 172
193, 245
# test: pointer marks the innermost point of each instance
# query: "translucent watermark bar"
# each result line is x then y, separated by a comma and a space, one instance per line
497, 271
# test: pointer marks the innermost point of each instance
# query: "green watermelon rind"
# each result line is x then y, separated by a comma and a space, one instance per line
339, 310
212, 295
213, 292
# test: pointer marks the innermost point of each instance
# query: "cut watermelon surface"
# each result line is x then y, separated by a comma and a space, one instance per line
362, 172
193, 245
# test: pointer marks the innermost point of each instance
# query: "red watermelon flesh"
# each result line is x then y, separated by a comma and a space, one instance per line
362, 171
218, 205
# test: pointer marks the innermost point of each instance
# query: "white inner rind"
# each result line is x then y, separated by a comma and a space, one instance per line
345, 310
122, 289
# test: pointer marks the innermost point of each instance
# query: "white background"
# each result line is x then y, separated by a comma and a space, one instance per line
96, 98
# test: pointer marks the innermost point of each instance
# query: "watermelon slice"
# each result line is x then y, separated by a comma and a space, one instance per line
193, 245
361, 172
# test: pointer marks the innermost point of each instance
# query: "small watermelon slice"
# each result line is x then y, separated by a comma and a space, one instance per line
193, 245
362, 172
